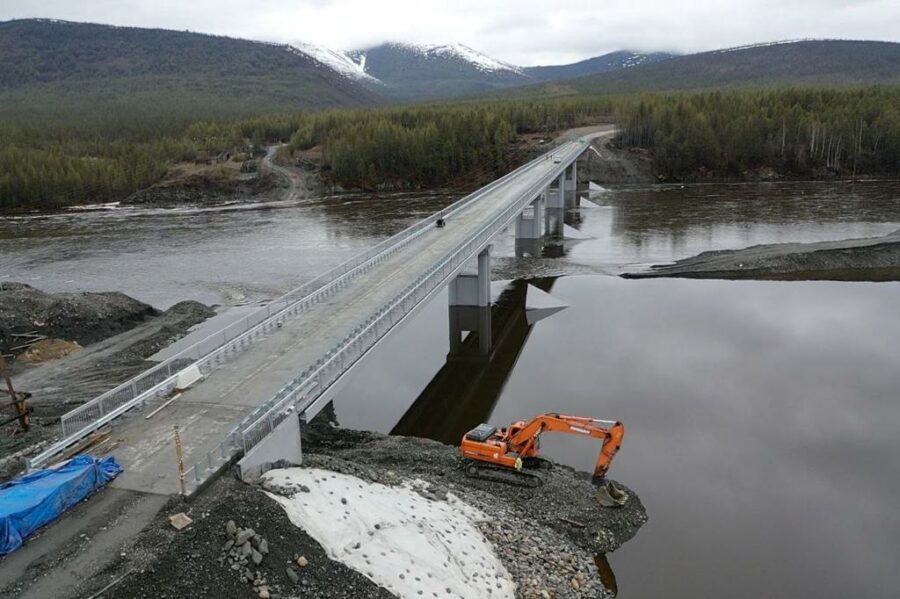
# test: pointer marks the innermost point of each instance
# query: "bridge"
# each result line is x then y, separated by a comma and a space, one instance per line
239, 395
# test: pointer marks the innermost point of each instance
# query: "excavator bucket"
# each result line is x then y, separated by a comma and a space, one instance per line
609, 495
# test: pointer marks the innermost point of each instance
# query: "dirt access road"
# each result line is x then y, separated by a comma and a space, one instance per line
299, 184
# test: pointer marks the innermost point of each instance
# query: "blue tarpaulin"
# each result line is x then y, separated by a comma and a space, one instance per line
36, 499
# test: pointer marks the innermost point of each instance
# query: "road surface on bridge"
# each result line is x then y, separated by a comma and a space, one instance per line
206, 411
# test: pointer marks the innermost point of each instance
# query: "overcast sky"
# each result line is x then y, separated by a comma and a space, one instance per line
525, 32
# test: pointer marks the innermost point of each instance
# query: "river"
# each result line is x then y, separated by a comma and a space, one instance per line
760, 416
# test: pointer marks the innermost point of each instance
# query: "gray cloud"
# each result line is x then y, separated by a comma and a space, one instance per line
520, 31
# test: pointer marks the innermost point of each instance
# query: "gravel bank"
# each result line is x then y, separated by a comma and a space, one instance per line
871, 259
547, 537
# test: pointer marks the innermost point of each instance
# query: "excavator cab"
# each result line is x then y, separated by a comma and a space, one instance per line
481, 433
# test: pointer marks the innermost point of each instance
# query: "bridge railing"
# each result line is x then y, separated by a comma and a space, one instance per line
302, 391
220, 347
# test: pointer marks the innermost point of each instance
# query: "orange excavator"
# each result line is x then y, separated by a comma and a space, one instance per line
514, 450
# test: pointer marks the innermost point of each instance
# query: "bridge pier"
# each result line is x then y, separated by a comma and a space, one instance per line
556, 196
530, 224
571, 177
473, 289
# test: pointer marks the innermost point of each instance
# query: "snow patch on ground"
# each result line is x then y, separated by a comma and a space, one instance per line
412, 546
336, 61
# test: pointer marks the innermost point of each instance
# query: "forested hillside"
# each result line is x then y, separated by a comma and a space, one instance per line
84, 64
57, 162
802, 132
613, 61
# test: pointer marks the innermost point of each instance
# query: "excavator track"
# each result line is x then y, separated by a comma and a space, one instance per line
494, 473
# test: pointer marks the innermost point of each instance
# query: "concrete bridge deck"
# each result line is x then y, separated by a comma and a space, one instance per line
206, 411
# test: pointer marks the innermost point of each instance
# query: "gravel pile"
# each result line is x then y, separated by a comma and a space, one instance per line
194, 562
81, 317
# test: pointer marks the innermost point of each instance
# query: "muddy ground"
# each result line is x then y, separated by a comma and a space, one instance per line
546, 554
117, 334
869, 259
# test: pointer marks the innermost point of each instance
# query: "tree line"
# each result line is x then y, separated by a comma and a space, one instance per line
52, 156
802, 132
429, 145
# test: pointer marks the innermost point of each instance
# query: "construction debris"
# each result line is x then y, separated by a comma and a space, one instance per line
85, 444
45, 349
179, 520
17, 400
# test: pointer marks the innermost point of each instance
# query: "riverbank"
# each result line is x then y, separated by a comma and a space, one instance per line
105, 338
271, 177
868, 259
546, 539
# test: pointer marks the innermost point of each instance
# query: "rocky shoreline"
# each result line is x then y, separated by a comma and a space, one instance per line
869, 259
241, 542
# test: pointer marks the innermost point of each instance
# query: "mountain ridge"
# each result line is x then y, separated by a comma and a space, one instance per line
67, 62
820, 62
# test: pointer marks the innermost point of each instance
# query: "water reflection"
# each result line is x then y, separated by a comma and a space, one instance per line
464, 391
761, 419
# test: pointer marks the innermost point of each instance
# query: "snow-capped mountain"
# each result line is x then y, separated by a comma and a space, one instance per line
339, 62
435, 70
407, 71
457, 52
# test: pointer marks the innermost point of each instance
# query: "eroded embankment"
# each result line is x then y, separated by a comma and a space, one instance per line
546, 539
871, 259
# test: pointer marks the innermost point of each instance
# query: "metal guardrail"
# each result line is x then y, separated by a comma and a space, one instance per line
218, 348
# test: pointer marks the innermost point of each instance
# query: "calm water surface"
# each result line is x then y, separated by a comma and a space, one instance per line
761, 416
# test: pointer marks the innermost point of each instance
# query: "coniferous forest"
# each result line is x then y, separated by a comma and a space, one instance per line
56, 156
800, 132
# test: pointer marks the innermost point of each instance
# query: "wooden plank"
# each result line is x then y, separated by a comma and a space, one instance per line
84, 445
26, 345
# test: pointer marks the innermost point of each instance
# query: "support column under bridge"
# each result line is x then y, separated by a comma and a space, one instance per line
571, 177
473, 289
530, 224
